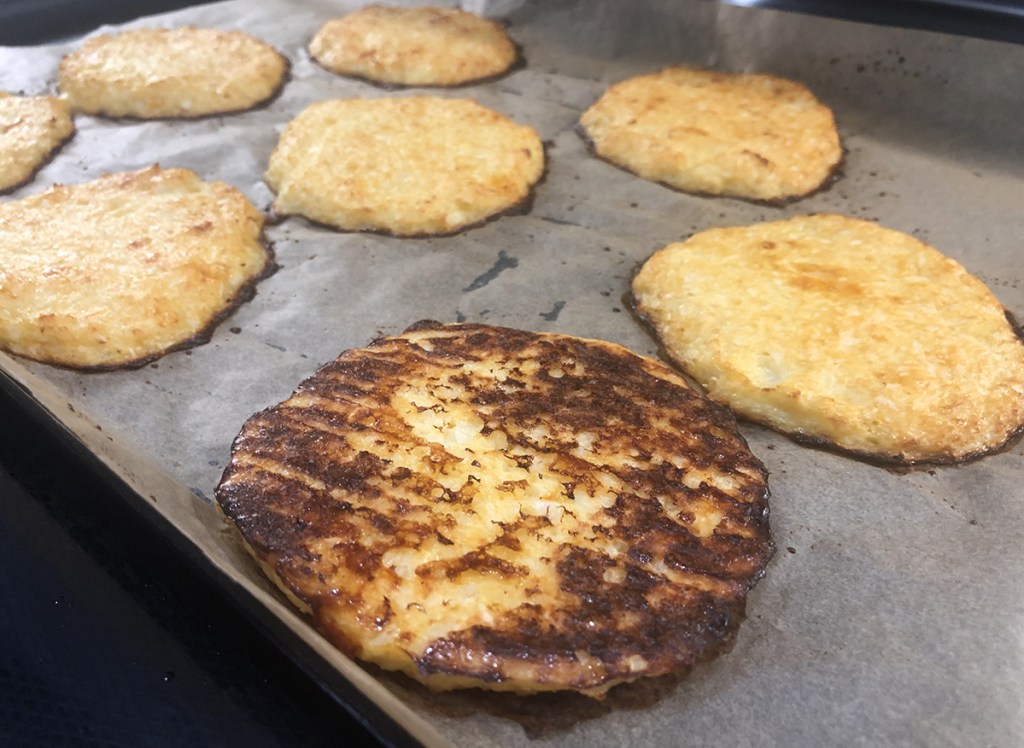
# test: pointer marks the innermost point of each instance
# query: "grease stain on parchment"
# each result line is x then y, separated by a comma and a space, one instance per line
503, 263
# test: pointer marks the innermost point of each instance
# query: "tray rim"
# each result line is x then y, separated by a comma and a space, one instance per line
359, 705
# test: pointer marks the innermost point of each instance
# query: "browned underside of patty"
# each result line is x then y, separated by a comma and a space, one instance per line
645, 614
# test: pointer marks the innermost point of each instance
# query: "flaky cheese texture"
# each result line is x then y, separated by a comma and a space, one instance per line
406, 166
118, 271
417, 46
743, 135
32, 128
162, 73
843, 332
485, 507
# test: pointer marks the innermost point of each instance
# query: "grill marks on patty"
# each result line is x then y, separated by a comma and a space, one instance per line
483, 506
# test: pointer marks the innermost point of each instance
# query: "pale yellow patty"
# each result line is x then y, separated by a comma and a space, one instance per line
32, 128
186, 72
406, 166
751, 136
120, 270
843, 332
422, 46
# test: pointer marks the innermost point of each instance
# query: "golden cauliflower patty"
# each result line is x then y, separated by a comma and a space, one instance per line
752, 136
841, 331
417, 46
32, 128
158, 73
406, 166
121, 270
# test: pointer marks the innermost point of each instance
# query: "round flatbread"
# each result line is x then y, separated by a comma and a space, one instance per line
419, 46
841, 332
32, 129
160, 73
119, 271
404, 166
751, 136
483, 507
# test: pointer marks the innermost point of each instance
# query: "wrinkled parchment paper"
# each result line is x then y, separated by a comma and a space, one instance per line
894, 611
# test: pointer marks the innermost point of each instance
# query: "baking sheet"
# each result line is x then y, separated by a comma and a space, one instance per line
894, 611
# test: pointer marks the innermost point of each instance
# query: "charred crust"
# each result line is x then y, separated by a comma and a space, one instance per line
671, 594
671, 635
1014, 325
479, 562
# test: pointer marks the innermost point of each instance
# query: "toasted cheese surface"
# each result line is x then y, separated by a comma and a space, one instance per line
32, 128
406, 166
158, 73
483, 507
118, 271
843, 332
743, 135
417, 46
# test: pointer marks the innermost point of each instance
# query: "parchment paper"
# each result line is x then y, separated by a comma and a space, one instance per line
894, 611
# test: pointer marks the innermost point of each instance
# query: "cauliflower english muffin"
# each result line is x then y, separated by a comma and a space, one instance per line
405, 166
162, 73
841, 332
32, 129
419, 46
119, 271
740, 135
484, 507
